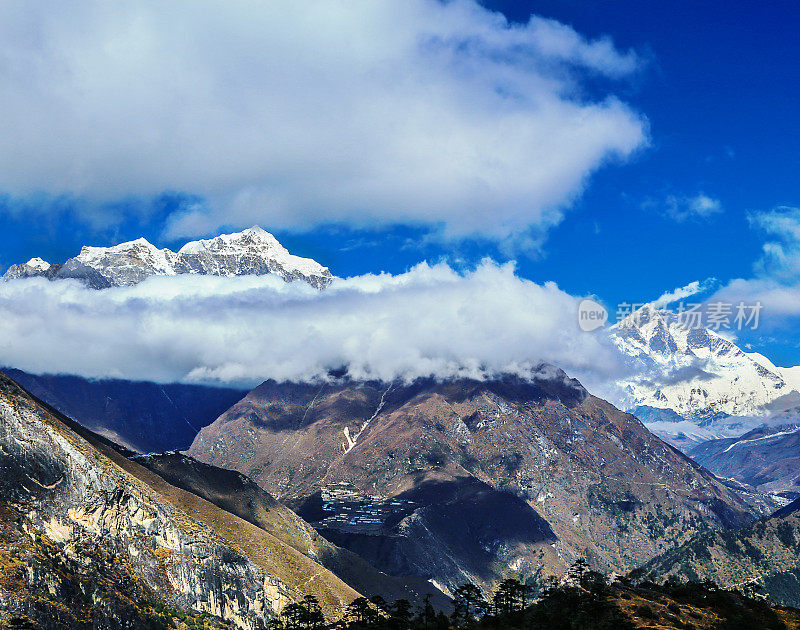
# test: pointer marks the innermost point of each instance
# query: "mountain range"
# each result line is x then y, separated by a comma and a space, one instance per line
339, 488
767, 458
397, 489
95, 536
251, 252
141, 416
472, 481
691, 384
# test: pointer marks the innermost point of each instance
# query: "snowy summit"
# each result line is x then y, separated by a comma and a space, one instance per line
251, 252
698, 376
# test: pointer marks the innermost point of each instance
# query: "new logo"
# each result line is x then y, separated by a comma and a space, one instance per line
591, 315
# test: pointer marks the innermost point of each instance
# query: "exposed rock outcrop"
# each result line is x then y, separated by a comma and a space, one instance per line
99, 514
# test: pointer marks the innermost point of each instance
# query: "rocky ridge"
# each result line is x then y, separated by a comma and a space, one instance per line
767, 458
142, 416
97, 513
251, 252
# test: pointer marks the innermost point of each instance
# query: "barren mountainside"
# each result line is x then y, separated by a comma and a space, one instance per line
472, 481
93, 539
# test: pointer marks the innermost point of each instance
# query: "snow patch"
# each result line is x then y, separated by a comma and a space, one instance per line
38, 264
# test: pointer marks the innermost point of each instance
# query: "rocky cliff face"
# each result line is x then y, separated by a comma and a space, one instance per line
94, 540
471, 481
251, 252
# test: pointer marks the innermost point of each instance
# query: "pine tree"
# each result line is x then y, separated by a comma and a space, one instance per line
579, 572
361, 611
469, 603
400, 614
426, 615
312, 612
293, 615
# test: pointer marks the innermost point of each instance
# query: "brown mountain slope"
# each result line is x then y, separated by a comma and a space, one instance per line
239, 495
412, 476
767, 458
101, 514
767, 552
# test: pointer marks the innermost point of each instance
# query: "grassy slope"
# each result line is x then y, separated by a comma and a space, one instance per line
260, 547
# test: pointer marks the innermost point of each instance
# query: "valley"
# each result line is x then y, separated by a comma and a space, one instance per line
404, 489
519, 348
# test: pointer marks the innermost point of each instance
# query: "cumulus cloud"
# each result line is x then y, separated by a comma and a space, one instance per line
778, 300
292, 114
776, 279
700, 206
430, 320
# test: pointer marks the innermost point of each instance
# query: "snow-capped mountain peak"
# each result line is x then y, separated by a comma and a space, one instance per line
656, 334
696, 372
236, 240
128, 263
38, 264
253, 251
34, 267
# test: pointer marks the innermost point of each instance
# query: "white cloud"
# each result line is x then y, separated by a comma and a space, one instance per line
291, 114
681, 293
700, 206
778, 300
428, 321
776, 279
781, 256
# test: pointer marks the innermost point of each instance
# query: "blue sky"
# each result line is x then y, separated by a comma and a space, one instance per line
715, 89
